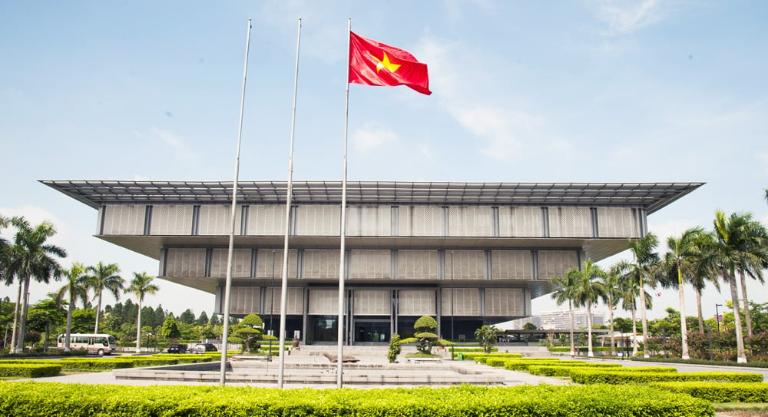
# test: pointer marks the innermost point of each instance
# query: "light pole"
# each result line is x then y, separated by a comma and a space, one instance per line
717, 316
271, 305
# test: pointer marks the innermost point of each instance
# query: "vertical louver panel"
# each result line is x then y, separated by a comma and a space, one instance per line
511, 264
241, 263
460, 302
370, 264
372, 302
421, 221
504, 302
124, 219
266, 219
470, 221
245, 300
215, 219
616, 222
185, 263
465, 264
416, 302
522, 221
318, 220
294, 301
269, 263
570, 222
171, 219
417, 264
554, 263
369, 221
323, 302
320, 264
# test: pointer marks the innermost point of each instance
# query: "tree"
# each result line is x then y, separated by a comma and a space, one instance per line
141, 286
643, 270
75, 287
425, 328
248, 332
394, 348
202, 319
611, 294
630, 291
564, 287
104, 277
187, 317
486, 335
587, 292
83, 320
701, 273
30, 256
753, 250
170, 330
43, 315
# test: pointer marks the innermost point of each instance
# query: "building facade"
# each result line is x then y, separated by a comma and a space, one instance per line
465, 253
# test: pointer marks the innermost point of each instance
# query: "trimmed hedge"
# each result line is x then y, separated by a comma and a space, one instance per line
751, 364
481, 357
523, 364
719, 392
590, 376
28, 370
552, 370
72, 400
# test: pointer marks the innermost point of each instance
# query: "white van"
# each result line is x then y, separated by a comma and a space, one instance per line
100, 344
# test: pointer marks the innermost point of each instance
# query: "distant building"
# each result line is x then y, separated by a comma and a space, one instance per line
466, 253
556, 320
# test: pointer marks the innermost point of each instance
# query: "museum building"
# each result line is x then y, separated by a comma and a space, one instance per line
465, 253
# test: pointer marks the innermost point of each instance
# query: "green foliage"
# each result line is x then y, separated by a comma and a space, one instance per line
623, 377
249, 332
704, 362
486, 335
425, 324
38, 400
478, 354
719, 392
28, 370
565, 371
426, 338
169, 329
394, 348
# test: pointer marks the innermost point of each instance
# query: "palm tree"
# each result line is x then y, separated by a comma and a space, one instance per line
587, 292
141, 285
30, 256
76, 287
643, 270
612, 292
678, 265
104, 277
563, 287
754, 258
701, 273
630, 291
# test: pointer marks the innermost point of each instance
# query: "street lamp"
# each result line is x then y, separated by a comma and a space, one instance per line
717, 316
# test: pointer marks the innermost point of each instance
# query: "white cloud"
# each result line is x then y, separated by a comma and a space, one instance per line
628, 16
372, 136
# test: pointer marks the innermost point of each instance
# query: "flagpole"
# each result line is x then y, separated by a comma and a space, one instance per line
228, 285
288, 196
340, 324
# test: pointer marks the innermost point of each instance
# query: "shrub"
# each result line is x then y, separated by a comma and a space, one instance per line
523, 364
751, 364
394, 348
565, 370
425, 327
33, 400
476, 355
28, 370
719, 392
590, 376
486, 335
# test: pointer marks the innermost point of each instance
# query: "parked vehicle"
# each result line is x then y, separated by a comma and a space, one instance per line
99, 344
205, 347
177, 349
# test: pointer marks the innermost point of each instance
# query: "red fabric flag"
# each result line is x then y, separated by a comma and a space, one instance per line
374, 63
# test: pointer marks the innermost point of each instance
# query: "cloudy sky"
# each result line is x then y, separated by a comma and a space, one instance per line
523, 91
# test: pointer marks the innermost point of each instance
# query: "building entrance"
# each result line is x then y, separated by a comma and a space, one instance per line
372, 331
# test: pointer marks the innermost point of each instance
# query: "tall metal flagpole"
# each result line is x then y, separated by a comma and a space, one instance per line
340, 324
288, 196
228, 286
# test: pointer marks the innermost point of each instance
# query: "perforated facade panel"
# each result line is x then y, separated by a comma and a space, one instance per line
269, 263
369, 220
245, 300
417, 264
321, 264
570, 222
372, 302
323, 302
464, 264
523, 221
185, 262
241, 263
616, 222
504, 302
421, 221
511, 264
416, 302
215, 220
370, 264
318, 220
470, 221
171, 219
294, 303
460, 302
124, 219
554, 263
266, 219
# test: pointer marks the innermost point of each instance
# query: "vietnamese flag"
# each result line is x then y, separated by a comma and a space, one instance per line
374, 63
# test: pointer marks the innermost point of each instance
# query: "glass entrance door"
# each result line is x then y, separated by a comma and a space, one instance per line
372, 331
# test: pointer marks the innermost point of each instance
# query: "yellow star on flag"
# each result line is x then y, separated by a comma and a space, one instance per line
385, 63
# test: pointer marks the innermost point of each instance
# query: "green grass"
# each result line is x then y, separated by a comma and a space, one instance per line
719, 392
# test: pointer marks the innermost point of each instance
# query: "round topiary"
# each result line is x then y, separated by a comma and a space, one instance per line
425, 324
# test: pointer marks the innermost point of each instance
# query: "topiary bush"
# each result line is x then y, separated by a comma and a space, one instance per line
27, 370
394, 348
591, 376
719, 392
425, 327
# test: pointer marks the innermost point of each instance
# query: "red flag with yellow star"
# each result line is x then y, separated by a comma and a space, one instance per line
374, 63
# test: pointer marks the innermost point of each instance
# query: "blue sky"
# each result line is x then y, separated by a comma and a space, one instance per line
522, 91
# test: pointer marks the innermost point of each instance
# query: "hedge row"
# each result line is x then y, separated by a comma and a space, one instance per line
481, 356
31, 399
523, 364
751, 364
120, 362
28, 370
593, 376
719, 392
555, 370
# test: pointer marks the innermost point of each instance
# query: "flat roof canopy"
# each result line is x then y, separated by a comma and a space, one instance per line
651, 196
